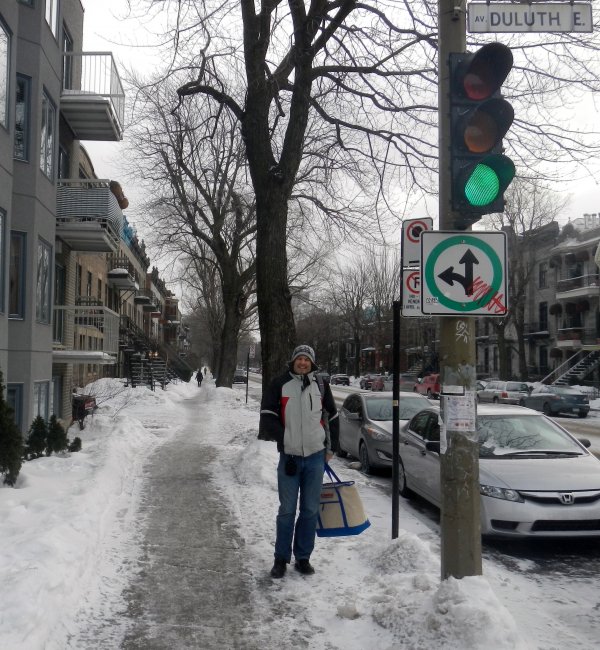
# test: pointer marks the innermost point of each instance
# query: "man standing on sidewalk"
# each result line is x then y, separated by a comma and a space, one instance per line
299, 413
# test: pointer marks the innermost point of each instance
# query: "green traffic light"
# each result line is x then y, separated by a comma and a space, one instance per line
482, 186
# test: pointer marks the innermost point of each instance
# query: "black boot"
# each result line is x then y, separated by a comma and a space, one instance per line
279, 568
304, 566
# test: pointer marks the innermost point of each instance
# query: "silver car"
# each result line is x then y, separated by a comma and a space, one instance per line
504, 392
366, 426
536, 480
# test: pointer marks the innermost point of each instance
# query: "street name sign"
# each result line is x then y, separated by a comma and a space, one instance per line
411, 244
463, 273
535, 17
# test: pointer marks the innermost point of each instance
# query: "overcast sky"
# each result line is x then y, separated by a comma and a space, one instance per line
107, 29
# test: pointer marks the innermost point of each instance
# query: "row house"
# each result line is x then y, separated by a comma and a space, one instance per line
72, 272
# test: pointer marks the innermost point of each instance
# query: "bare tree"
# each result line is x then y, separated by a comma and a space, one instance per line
359, 79
202, 209
531, 208
349, 294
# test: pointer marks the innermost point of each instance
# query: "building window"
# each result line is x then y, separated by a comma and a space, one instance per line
2, 258
41, 399
64, 162
22, 117
52, 15
67, 46
88, 285
543, 359
543, 316
47, 136
42, 294
16, 275
14, 398
60, 281
542, 275
4, 73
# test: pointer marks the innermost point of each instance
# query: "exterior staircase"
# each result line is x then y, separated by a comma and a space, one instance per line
581, 364
148, 362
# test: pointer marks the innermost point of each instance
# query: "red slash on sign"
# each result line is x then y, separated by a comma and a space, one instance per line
413, 282
415, 229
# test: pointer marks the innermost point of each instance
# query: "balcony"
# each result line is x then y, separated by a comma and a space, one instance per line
536, 330
92, 100
88, 216
576, 337
146, 300
582, 286
121, 273
84, 334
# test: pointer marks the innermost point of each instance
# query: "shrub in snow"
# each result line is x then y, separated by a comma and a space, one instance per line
11, 442
76, 444
56, 440
36, 438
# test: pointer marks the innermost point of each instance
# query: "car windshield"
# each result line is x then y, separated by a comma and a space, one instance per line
565, 391
513, 385
380, 408
521, 434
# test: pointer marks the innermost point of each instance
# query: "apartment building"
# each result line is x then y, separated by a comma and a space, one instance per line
73, 275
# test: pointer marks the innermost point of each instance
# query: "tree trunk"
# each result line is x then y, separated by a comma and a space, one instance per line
520, 327
276, 320
502, 347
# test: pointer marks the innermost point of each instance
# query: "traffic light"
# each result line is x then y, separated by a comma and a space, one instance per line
479, 120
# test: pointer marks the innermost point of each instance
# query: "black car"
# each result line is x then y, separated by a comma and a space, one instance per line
553, 400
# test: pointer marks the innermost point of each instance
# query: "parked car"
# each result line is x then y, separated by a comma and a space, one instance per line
240, 377
382, 382
365, 381
553, 400
428, 385
504, 392
366, 426
340, 380
536, 480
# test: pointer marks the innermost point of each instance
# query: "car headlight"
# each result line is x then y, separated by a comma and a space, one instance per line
377, 434
500, 493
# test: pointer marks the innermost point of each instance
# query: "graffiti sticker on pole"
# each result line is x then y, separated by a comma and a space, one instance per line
411, 239
411, 293
463, 273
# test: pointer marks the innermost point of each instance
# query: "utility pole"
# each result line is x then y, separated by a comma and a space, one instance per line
460, 518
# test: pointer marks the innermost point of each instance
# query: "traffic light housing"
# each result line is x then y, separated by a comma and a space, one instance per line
479, 119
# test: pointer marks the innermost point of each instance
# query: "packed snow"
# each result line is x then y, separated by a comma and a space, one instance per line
70, 537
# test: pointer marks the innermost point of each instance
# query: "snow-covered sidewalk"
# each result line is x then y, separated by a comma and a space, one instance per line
70, 537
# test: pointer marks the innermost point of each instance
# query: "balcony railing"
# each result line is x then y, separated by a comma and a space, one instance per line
539, 330
83, 334
92, 100
88, 216
122, 273
583, 285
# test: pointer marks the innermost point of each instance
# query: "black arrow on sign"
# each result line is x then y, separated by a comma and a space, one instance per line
448, 276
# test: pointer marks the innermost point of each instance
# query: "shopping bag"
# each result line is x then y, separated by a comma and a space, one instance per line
341, 511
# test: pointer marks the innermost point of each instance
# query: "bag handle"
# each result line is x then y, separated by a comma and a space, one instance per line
332, 475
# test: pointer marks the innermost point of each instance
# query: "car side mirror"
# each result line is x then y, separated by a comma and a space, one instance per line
432, 445
585, 442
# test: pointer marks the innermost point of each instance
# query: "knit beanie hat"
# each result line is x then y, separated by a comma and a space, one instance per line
304, 351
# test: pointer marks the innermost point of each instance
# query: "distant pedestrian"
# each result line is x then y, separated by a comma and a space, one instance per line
199, 377
299, 413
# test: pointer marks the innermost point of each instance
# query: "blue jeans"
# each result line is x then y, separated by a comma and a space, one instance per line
307, 481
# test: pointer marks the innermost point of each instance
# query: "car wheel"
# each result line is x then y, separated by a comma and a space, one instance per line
495, 400
521, 402
403, 489
546, 409
582, 415
341, 453
429, 395
363, 456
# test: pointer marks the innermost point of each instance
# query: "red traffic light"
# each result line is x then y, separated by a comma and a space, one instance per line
483, 128
484, 72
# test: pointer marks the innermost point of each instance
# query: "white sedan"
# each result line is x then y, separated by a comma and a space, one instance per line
536, 479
